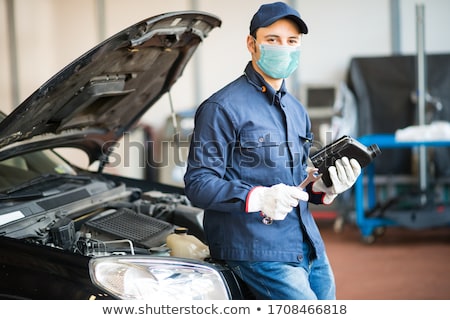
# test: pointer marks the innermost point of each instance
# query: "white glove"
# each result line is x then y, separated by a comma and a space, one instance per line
276, 201
343, 175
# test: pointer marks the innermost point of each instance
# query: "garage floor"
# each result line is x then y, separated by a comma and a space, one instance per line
402, 264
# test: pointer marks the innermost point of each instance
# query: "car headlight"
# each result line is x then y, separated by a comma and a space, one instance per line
131, 277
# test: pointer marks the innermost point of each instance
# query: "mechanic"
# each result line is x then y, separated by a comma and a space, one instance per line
248, 155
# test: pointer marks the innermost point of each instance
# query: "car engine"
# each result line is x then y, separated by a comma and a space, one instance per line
102, 219
140, 228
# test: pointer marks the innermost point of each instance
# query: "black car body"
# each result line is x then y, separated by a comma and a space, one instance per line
68, 233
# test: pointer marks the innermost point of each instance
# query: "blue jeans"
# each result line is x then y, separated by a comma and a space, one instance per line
305, 280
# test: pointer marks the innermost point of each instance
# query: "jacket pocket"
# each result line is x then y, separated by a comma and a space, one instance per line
260, 155
259, 139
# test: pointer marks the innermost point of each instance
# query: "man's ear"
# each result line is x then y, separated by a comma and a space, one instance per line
251, 44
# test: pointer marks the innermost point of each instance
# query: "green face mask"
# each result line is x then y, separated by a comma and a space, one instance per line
278, 61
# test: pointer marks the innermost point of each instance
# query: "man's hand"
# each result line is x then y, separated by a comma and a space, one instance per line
276, 201
343, 175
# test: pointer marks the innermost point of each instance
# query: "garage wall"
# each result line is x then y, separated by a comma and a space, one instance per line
51, 33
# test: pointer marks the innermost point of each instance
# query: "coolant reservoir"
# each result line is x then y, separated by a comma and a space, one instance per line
183, 245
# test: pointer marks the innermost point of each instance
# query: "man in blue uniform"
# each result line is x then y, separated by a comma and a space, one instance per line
248, 155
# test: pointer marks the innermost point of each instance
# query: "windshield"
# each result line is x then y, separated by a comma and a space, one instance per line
17, 170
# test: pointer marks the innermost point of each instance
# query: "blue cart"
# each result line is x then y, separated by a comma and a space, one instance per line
421, 217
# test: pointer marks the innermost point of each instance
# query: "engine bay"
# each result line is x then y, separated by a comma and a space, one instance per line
102, 218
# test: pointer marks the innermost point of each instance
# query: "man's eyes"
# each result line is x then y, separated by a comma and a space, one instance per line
292, 42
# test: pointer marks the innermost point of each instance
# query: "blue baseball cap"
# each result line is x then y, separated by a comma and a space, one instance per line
269, 13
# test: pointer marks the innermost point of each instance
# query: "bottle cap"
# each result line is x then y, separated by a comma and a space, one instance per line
181, 230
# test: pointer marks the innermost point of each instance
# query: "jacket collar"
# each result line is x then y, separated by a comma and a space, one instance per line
255, 79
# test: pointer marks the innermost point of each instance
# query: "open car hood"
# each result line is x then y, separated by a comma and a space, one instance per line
91, 102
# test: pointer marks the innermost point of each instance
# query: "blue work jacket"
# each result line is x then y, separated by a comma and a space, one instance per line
248, 135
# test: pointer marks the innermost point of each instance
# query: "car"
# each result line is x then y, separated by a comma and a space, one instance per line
71, 233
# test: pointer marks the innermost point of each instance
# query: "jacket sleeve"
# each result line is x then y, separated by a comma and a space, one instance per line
211, 145
314, 197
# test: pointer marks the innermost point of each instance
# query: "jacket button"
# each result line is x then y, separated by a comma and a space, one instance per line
261, 139
299, 257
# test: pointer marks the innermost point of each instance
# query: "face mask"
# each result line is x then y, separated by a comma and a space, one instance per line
278, 61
